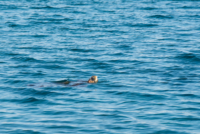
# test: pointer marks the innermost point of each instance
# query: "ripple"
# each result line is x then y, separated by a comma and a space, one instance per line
25, 59
137, 95
145, 54
22, 131
187, 118
26, 100
188, 58
42, 7
166, 131
148, 8
161, 16
142, 25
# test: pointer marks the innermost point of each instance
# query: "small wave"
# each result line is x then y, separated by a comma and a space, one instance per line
13, 25
42, 7
19, 130
148, 8
186, 118
119, 61
59, 112
15, 81
188, 58
25, 100
9, 6
42, 93
142, 25
139, 95
189, 109
8, 53
166, 131
190, 7
30, 100
190, 95
40, 35
161, 16
81, 50
25, 59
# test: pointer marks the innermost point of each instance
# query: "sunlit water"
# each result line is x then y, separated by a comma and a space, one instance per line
145, 53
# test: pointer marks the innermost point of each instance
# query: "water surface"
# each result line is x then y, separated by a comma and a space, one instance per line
145, 53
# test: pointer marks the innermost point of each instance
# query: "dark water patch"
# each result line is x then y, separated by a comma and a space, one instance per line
26, 59
39, 90
107, 11
189, 95
161, 16
59, 112
40, 36
21, 131
32, 100
12, 81
141, 25
30, 73
124, 46
138, 95
191, 103
12, 25
111, 115
9, 53
52, 20
92, 131
196, 16
184, 34
83, 101
182, 78
113, 31
79, 3
83, 50
118, 54
188, 58
71, 127
40, 23
47, 7
99, 65
172, 69
147, 71
79, 12
15, 25
177, 124
186, 119
3, 62
186, 0
190, 7
118, 128
148, 8
20, 66
90, 60
167, 131
9, 6
50, 66
129, 102
189, 109
119, 61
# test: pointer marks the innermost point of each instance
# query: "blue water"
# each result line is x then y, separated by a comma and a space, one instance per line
145, 53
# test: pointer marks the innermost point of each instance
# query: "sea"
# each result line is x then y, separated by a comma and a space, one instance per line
145, 53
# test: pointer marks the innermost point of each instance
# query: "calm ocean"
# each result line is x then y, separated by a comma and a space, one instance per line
146, 54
